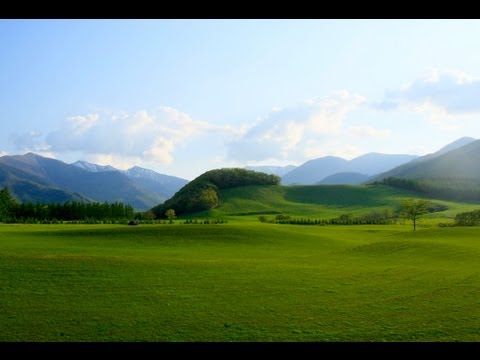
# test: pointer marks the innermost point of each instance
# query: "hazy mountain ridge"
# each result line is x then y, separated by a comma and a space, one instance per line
462, 162
316, 170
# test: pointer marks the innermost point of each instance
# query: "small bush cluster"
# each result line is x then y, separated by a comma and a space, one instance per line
205, 221
470, 218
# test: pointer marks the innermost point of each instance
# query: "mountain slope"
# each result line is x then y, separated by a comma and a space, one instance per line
461, 163
375, 163
52, 174
452, 146
27, 187
274, 170
347, 178
163, 185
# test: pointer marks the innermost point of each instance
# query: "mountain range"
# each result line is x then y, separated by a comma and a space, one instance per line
35, 178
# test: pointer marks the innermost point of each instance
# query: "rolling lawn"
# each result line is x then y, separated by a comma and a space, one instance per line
241, 281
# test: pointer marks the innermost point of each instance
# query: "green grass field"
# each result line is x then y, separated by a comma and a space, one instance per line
246, 280
241, 281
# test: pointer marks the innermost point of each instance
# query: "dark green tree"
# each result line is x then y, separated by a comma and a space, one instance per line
7, 205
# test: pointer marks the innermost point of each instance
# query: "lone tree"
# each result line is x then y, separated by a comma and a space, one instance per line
414, 210
170, 214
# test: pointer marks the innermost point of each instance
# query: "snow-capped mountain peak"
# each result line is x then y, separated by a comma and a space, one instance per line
93, 167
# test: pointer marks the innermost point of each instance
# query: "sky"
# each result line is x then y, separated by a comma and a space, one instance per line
185, 96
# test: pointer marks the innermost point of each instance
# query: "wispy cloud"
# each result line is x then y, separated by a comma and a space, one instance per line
31, 140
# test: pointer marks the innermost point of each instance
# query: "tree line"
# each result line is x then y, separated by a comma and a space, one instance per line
12, 211
373, 218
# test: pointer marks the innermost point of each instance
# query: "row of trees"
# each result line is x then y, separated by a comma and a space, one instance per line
12, 211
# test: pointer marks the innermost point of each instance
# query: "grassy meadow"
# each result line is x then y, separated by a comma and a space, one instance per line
245, 280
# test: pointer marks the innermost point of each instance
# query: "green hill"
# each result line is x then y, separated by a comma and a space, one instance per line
202, 193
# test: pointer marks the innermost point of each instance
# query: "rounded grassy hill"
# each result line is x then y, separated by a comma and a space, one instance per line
202, 193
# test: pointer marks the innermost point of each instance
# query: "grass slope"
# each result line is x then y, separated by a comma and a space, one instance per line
238, 282
316, 201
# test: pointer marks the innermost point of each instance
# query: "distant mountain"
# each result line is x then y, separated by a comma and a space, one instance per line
27, 187
345, 178
163, 185
369, 164
93, 167
275, 170
312, 171
461, 163
43, 179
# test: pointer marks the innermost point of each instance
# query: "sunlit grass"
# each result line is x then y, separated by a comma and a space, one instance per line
241, 281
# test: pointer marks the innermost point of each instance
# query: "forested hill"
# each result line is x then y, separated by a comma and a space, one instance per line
202, 193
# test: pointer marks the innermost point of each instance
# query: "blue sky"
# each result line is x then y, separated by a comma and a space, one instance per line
185, 96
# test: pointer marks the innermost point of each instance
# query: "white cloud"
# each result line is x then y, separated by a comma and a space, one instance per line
368, 131
327, 118
451, 90
122, 138
284, 133
3, 153
446, 98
